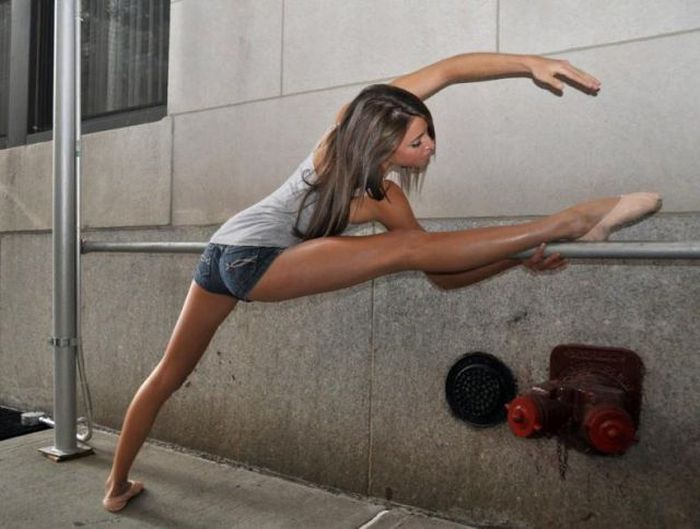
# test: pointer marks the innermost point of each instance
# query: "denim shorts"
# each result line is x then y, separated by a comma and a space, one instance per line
233, 270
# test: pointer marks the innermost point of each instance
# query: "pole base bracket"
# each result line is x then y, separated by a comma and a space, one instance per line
57, 455
64, 342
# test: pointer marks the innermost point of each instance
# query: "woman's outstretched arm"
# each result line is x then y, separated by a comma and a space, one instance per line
395, 213
537, 263
470, 67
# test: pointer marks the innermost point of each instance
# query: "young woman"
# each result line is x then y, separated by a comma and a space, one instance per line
291, 244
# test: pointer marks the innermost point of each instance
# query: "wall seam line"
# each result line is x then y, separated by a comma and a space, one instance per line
282, 52
498, 26
623, 42
172, 172
214, 225
289, 94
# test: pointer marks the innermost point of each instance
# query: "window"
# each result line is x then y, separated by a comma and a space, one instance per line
41, 67
124, 63
125, 55
4, 63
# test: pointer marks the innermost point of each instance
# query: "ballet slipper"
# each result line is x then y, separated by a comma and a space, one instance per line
628, 209
117, 503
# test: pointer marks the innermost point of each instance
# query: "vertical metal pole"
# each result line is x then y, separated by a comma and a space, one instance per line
65, 243
65, 330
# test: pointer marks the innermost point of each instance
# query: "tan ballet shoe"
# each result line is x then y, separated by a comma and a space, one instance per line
630, 208
117, 503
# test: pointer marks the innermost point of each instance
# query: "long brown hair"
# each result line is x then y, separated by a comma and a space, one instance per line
370, 130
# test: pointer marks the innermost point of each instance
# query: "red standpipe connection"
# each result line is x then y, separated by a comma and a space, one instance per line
591, 400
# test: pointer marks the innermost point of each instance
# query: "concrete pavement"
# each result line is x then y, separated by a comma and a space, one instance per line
182, 491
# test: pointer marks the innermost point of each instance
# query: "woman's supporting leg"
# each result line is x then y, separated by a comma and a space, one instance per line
201, 315
330, 263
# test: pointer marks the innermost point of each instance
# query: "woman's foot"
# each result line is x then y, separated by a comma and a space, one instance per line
577, 220
628, 209
595, 220
117, 496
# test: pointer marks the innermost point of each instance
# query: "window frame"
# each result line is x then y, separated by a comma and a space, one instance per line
18, 92
126, 118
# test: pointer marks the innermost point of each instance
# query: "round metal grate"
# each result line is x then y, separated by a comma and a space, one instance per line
478, 387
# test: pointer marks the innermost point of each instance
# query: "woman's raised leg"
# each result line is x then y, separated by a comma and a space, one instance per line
330, 263
201, 315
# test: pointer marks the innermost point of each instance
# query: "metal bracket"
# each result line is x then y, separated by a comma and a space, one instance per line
57, 455
64, 342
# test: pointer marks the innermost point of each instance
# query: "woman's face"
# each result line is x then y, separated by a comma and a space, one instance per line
416, 147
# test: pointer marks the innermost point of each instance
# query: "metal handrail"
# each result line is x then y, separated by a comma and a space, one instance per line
570, 250
623, 250
143, 247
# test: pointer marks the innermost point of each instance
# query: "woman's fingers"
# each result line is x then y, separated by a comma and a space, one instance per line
536, 258
553, 262
550, 72
538, 262
579, 76
556, 83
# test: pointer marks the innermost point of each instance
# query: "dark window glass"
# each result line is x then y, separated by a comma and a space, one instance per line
125, 55
124, 58
4, 63
41, 67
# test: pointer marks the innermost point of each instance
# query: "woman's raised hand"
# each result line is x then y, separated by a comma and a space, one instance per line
550, 72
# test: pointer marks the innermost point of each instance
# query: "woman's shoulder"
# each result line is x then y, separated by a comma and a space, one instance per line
304, 173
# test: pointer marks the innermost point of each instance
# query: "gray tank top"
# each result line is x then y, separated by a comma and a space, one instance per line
270, 221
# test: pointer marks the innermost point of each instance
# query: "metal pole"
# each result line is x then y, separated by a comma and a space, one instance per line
622, 250
65, 241
575, 250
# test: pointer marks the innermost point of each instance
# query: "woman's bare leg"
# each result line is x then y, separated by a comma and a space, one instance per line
331, 263
201, 315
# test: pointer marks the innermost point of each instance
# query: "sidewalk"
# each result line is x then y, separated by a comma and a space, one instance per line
182, 491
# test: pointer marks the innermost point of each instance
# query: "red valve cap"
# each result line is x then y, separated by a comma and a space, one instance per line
610, 429
524, 416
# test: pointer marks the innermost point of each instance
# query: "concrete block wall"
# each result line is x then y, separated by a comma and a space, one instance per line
356, 402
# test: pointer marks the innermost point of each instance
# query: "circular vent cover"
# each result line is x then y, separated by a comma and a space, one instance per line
478, 387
